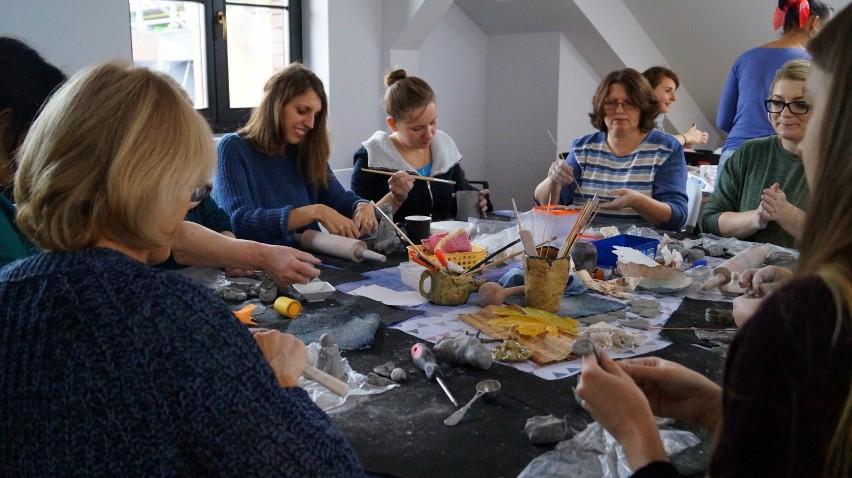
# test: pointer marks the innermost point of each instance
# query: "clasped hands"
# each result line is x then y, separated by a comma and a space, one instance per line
773, 204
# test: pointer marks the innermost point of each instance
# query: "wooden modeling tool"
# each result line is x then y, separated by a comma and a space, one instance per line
492, 293
586, 215
525, 235
416, 176
333, 384
562, 157
396, 228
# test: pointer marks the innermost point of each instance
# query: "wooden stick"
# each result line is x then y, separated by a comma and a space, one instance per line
510, 256
491, 256
402, 234
560, 156
416, 176
334, 384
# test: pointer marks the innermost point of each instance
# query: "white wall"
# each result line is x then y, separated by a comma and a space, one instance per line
577, 84
452, 61
521, 87
70, 34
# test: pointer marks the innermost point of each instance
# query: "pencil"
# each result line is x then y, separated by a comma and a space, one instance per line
422, 178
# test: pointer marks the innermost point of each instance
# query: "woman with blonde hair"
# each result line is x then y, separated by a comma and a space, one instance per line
785, 408
115, 368
273, 177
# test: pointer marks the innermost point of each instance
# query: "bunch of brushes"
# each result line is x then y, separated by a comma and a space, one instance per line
587, 214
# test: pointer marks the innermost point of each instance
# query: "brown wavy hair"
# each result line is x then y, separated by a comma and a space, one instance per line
639, 92
826, 249
265, 128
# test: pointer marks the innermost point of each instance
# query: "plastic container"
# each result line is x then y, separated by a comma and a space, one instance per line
547, 221
315, 291
606, 256
410, 273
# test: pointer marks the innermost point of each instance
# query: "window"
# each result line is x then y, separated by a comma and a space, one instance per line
220, 51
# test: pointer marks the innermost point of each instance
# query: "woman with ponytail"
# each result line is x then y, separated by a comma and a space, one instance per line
741, 113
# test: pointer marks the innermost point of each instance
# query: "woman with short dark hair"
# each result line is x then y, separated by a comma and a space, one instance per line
640, 172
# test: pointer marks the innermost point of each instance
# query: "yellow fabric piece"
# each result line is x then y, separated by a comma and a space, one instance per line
534, 317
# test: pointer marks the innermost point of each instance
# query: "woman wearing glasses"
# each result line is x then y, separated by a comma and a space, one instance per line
761, 190
639, 171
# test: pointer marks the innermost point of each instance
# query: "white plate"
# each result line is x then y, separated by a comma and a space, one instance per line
315, 291
441, 227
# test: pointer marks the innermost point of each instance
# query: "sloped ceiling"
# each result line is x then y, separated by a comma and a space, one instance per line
699, 39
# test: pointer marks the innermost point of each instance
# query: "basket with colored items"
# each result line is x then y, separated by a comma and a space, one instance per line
464, 259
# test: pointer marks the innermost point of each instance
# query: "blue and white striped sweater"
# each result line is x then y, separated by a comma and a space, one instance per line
656, 168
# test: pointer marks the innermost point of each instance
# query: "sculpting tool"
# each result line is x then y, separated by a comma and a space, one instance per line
526, 236
562, 157
422, 178
510, 256
492, 255
332, 383
425, 360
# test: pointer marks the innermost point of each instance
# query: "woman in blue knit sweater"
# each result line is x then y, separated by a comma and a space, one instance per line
273, 177
110, 367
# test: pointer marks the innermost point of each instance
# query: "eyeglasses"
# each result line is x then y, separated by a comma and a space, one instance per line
201, 192
795, 107
612, 105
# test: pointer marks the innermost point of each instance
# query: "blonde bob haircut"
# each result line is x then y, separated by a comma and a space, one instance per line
265, 128
111, 155
795, 70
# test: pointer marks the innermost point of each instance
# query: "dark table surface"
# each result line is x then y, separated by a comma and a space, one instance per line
401, 432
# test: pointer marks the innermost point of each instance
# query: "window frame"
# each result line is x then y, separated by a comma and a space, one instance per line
219, 114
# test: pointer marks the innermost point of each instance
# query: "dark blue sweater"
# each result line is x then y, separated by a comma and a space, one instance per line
111, 368
258, 191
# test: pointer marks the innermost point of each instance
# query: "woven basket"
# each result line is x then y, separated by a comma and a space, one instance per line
464, 259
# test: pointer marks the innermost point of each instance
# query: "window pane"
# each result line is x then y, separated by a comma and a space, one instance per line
258, 45
169, 36
271, 3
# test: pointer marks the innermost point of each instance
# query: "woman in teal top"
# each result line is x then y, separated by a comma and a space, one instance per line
26, 82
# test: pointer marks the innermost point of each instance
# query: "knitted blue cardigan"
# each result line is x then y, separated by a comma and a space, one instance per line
111, 368
258, 191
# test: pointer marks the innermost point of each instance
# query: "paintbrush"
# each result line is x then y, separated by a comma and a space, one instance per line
492, 255
510, 256
416, 176
405, 237
562, 157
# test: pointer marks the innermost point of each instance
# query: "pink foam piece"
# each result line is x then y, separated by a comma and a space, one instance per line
459, 243
432, 241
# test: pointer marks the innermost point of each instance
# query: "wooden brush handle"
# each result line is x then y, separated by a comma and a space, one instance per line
334, 384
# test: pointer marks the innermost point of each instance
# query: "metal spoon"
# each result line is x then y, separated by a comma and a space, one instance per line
489, 388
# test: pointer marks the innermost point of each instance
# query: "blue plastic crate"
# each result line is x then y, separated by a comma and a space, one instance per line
606, 256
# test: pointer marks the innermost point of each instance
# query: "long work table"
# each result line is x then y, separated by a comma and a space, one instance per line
401, 432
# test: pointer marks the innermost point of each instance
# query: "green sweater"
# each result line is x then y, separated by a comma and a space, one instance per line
13, 244
756, 165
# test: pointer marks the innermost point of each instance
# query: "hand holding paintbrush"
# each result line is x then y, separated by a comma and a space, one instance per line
560, 172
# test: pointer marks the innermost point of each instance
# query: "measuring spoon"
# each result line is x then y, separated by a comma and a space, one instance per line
489, 388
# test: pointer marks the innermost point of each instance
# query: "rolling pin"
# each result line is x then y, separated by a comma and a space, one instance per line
337, 246
749, 258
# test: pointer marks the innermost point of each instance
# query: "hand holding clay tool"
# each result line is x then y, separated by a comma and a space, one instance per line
337, 246
486, 388
749, 258
425, 360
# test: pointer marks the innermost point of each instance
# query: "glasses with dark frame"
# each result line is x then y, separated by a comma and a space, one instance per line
612, 105
201, 192
795, 107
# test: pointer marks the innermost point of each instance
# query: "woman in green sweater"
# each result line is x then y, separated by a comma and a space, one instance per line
761, 191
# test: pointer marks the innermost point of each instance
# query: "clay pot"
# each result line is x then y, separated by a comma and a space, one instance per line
447, 289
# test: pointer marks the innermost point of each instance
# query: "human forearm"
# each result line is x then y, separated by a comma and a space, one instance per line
547, 189
643, 446
741, 225
302, 216
653, 211
793, 222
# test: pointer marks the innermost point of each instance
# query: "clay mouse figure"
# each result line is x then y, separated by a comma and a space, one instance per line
329, 359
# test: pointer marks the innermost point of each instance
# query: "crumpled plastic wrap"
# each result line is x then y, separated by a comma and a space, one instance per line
593, 453
326, 399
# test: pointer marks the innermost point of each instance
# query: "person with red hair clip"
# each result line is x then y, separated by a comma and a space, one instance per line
741, 114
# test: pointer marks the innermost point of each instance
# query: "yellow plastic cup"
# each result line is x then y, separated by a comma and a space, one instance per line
288, 307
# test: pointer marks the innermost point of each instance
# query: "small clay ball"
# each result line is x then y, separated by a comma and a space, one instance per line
398, 375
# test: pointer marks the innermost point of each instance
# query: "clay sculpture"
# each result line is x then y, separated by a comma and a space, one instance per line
464, 350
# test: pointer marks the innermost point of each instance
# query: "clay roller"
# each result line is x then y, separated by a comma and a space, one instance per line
337, 246
334, 384
749, 258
